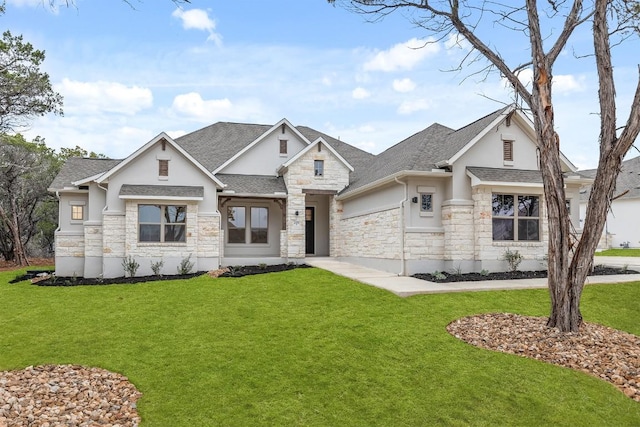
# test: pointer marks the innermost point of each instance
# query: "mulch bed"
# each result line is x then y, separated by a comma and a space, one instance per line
598, 270
249, 270
606, 353
235, 271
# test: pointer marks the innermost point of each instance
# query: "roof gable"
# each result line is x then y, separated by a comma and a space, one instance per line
158, 139
274, 128
311, 147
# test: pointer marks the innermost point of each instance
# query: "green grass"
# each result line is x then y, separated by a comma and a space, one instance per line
309, 348
619, 252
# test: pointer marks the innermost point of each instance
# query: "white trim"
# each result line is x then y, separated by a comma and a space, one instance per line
150, 144
161, 198
260, 138
437, 173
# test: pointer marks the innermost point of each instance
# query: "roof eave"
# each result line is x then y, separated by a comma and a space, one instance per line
391, 178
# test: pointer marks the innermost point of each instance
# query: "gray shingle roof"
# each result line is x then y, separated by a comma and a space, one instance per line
506, 175
253, 184
77, 168
421, 151
162, 191
215, 144
628, 182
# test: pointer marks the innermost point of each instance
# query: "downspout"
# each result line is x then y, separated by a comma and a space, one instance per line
402, 224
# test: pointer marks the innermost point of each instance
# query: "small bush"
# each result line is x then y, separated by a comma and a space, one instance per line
438, 275
484, 272
513, 258
156, 267
130, 266
186, 265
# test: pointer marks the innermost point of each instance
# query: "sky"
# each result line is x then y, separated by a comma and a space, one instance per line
130, 70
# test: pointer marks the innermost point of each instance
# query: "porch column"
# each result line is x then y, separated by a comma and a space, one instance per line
457, 221
295, 236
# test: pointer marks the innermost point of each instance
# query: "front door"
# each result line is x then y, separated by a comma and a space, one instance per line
309, 229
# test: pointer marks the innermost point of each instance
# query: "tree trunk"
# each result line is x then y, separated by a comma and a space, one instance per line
19, 253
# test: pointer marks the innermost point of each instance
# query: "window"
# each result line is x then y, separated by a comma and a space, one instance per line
163, 167
507, 151
236, 224
283, 146
517, 224
318, 167
259, 225
162, 223
77, 213
247, 224
426, 202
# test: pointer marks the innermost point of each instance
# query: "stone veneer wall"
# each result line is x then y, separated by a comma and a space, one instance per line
490, 253
69, 255
458, 224
93, 249
373, 235
424, 245
299, 176
295, 246
208, 241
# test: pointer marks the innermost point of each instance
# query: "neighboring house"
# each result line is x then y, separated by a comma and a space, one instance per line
621, 228
234, 194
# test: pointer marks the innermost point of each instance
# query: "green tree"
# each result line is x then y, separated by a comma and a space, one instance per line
545, 27
25, 91
26, 169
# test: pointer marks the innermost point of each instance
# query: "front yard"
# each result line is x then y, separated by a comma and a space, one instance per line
306, 347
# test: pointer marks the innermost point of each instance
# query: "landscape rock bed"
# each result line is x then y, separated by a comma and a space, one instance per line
598, 270
603, 352
67, 395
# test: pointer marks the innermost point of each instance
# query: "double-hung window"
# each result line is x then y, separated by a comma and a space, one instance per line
318, 167
162, 223
515, 217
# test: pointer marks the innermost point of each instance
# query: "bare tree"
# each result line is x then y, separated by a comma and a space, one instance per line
569, 262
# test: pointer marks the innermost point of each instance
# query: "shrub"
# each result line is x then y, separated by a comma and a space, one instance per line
156, 267
484, 272
438, 275
513, 258
186, 265
130, 266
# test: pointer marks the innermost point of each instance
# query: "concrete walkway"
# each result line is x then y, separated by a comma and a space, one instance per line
406, 286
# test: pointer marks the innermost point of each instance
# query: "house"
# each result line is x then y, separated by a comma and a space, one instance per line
238, 194
621, 228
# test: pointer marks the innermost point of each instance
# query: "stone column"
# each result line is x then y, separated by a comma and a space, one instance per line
457, 221
295, 226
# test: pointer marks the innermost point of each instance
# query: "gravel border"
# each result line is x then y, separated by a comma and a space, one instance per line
606, 353
67, 395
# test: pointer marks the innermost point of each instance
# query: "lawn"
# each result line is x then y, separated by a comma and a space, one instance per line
620, 252
306, 347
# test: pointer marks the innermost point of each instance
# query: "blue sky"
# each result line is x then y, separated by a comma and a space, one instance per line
128, 74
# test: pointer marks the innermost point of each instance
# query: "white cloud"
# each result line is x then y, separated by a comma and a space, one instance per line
198, 19
176, 133
101, 96
565, 83
408, 107
403, 56
404, 85
568, 83
193, 106
360, 93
